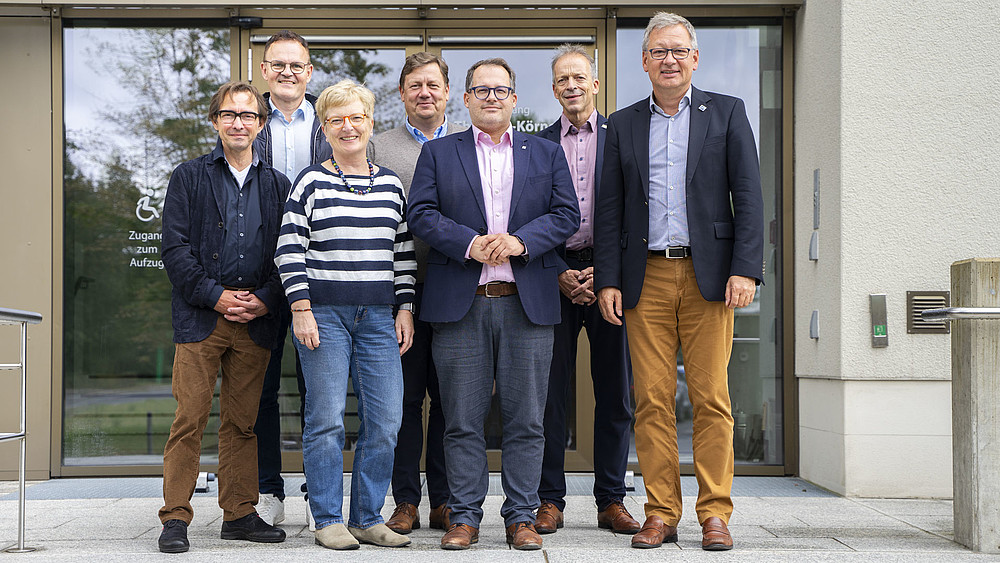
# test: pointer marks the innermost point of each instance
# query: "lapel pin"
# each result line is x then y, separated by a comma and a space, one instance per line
702, 107
604, 126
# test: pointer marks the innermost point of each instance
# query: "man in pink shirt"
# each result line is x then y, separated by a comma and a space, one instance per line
493, 204
581, 131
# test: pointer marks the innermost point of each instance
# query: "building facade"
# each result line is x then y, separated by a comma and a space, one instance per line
875, 151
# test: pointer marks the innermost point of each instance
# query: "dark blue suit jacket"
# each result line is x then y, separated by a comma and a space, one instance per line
724, 203
193, 236
552, 133
446, 209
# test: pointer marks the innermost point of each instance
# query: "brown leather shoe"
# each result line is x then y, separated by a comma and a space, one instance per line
439, 517
715, 535
548, 519
523, 536
405, 518
616, 518
653, 533
460, 536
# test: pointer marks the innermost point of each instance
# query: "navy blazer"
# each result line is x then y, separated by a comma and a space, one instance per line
447, 210
553, 133
193, 235
724, 203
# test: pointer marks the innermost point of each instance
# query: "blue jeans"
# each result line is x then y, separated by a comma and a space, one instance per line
356, 342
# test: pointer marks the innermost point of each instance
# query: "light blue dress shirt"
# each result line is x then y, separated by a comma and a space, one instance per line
419, 135
291, 140
668, 146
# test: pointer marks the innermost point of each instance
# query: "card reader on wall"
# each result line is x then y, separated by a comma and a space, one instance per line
880, 334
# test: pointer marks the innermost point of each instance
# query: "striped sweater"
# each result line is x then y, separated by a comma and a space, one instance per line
341, 248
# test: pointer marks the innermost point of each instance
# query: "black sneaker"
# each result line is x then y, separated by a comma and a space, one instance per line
174, 537
252, 528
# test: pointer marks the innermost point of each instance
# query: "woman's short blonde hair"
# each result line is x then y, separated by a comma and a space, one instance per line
343, 93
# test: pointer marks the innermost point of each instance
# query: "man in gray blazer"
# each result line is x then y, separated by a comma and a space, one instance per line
424, 89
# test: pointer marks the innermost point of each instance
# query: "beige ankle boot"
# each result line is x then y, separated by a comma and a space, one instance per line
380, 534
336, 536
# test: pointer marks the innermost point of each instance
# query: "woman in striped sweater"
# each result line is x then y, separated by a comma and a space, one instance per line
347, 263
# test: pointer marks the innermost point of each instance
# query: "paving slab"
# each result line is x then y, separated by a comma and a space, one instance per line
776, 519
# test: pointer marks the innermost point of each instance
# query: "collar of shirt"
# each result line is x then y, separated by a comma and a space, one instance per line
218, 153
566, 126
300, 112
685, 101
419, 135
484, 139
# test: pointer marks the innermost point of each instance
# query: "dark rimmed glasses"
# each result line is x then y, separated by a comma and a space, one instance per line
279, 66
229, 117
680, 53
483, 92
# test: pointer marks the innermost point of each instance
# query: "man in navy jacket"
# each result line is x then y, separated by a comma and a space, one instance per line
581, 132
221, 219
493, 204
291, 140
680, 244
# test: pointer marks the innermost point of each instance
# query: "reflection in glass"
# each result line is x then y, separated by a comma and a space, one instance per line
377, 69
136, 105
743, 62
536, 107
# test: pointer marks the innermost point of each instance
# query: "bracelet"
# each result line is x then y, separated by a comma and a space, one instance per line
300, 310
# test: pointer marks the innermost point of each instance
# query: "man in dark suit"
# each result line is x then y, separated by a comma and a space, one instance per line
581, 133
492, 204
679, 246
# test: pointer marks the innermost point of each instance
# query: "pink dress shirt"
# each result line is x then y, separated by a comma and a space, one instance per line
580, 146
496, 173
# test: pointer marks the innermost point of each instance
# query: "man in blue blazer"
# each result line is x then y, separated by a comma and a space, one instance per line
493, 204
581, 133
679, 246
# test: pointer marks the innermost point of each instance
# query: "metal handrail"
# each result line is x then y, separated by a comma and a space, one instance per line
14, 316
954, 313
24, 318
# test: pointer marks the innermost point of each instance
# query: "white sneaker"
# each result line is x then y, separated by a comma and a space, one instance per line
309, 515
271, 509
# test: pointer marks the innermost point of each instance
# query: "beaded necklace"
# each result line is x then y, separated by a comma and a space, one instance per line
371, 178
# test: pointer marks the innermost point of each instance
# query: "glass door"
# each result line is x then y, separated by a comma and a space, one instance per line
743, 61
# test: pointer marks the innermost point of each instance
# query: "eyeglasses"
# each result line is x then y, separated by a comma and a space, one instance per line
279, 66
228, 117
338, 121
483, 92
680, 53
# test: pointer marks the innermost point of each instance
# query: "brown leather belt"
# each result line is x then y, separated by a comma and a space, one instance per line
497, 289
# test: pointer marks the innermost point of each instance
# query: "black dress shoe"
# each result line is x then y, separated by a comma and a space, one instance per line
252, 528
174, 537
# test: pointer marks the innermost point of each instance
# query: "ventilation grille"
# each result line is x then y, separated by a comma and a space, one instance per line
919, 301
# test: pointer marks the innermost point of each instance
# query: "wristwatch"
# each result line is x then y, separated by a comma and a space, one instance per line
406, 307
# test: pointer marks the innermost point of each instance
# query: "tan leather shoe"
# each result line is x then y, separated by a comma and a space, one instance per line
548, 519
617, 519
653, 533
460, 536
439, 517
715, 535
405, 518
523, 536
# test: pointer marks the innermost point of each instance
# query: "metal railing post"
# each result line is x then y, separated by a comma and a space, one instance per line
13, 316
975, 392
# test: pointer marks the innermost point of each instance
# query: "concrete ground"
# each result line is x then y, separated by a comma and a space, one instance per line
775, 519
